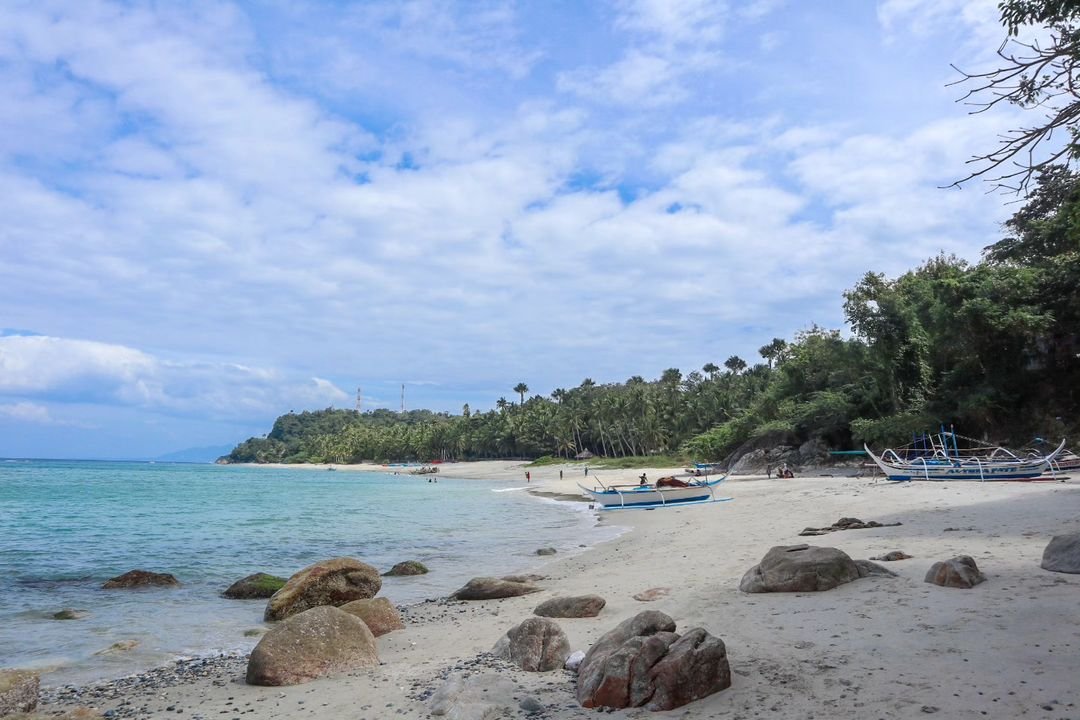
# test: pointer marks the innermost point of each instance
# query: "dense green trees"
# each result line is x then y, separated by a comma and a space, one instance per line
993, 347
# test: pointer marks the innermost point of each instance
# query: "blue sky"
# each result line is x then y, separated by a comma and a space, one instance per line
218, 212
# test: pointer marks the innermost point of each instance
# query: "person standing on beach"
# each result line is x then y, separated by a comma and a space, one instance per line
560, 474
586, 471
528, 477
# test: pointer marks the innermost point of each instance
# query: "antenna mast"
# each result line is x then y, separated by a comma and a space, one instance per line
359, 399
402, 398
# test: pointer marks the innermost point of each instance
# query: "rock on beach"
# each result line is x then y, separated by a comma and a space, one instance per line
379, 614
578, 606
642, 662
489, 588
957, 572
536, 645
329, 582
800, 568
407, 567
1062, 554
257, 585
141, 578
322, 641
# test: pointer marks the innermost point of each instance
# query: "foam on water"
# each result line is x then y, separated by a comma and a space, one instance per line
66, 527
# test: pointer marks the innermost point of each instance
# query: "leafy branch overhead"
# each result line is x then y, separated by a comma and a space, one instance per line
1040, 76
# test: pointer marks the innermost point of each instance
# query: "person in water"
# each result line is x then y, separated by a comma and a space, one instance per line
644, 480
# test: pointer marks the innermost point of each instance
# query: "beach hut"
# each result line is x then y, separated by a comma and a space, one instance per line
584, 455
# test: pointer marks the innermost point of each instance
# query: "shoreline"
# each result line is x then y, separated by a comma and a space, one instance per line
878, 647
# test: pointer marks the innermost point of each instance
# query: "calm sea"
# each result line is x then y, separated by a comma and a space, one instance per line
67, 526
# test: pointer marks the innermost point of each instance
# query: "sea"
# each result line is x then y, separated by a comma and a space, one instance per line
68, 526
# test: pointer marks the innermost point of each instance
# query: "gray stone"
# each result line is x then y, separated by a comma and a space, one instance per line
578, 606
892, 556
407, 567
488, 588
329, 582
642, 662
317, 642
957, 572
545, 551
258, 585
800, 568
1062, 554
536, 645
477, 697
870, 569
379, 614
141, 578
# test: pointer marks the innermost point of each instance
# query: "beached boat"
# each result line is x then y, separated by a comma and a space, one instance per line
940, 457
613, 497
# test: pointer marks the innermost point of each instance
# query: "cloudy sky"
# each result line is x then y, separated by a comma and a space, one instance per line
215, 212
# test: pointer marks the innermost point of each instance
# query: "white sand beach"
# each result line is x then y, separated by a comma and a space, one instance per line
874, 648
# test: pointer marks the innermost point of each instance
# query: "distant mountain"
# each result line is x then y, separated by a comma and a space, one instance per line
196, 454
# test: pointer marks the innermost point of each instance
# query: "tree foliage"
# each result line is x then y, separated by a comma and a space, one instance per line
1043, 77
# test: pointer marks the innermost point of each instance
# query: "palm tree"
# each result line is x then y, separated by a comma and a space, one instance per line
521, 388
735, 364
710, 369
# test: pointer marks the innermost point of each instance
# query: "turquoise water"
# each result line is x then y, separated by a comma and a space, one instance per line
67, 526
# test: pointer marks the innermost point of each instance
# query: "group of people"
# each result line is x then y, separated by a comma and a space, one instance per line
781, 472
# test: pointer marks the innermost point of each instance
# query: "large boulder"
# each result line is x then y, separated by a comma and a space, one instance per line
475, 697
537, 645
141, 578
1062, 554
18, 691
330, 582
800, 568
257, 586
489, 588
578, 606
321, 641
644, 663
379, 614
407, 567
958, 572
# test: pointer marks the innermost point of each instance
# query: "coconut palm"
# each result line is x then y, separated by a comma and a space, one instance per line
521, 388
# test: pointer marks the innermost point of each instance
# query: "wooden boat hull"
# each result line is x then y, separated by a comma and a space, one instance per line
649, 496
971, 469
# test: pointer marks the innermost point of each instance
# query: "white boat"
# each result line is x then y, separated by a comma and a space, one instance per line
944, 461
613, 497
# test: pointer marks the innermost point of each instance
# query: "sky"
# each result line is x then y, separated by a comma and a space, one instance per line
214, 213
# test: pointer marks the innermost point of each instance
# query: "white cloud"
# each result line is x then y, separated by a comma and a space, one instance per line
27, 412
67, 370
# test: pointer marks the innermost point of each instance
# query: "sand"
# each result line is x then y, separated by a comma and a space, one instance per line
875, 648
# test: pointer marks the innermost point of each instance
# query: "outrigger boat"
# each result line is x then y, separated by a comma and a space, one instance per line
940, 457
616, 497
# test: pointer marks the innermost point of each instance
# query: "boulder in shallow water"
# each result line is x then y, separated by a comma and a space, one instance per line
1062, 554
957, 572
578, 606
407, 567
545, 551
379, 614
489, 588
70, 614
322, 641
18, 691
141, 578
800, 568
257, 586
536, 645
329, 582
644, 663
